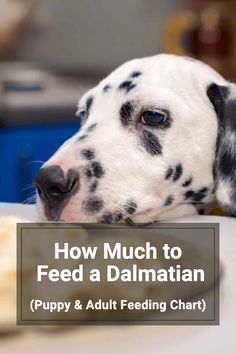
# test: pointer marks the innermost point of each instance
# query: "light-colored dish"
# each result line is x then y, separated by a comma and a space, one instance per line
8, 272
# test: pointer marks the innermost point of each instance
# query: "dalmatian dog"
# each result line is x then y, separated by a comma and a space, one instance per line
157, 141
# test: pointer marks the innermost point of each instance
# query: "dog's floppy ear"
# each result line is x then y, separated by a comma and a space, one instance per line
223, 99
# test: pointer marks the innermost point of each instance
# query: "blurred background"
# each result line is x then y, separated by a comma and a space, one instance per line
52, 51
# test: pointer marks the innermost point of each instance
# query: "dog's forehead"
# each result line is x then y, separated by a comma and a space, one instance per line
155, 75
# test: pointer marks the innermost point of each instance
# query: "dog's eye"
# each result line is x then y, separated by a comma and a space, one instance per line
153, 118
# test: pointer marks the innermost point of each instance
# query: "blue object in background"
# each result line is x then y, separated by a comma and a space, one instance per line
21, 150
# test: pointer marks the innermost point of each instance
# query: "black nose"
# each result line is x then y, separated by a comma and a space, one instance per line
53, 186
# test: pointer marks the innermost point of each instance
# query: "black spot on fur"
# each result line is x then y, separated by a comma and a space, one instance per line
130, 207
127, 86
94, 205
88, 154
93, 187
117, 216
217, 95
136, 74
178, 172
95, 170
129, 221
109, 218
88, 105
174, 172
91, 127
169, 200
187, 182
201, 194
151, 143
84, 114
227, 161
169, 173
89, 173
106, 88
197, 196
189, 194
126, 112
201, 212
82, 137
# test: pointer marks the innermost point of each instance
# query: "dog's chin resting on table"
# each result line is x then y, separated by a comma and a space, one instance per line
157, 141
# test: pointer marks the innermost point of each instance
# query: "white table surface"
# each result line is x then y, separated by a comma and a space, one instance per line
142, 339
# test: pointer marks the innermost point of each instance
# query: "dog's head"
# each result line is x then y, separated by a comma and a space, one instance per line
150, 135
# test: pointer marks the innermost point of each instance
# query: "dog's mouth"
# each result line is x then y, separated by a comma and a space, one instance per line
118, 216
